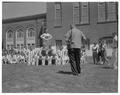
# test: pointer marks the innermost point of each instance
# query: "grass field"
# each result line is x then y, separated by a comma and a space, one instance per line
23, 78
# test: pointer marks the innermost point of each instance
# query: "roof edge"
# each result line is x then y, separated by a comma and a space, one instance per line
24, 18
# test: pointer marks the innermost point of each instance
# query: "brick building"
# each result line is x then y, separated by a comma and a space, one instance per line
22, 31
95, 19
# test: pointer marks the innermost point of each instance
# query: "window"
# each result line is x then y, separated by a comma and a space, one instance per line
20, 33
10, 34
80, 13
84, 13
76, 13
58, 14
111, 11
107, 11
101, 12
9, 39
31, 32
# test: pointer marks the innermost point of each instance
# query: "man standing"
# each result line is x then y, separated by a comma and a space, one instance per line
74, 42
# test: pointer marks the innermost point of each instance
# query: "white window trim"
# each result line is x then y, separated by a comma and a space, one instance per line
11, 42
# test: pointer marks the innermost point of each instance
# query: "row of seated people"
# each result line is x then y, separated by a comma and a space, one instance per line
37, 56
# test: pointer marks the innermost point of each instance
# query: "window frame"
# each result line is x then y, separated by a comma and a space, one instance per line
20, 35
57, 25
106, 15
29, 33
12, 37
80, 14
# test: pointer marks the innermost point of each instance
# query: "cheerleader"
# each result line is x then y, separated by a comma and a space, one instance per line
4, 59
33, 58
46, 60
53, 60
9, 58
13, 59
43, 60
50, 55
58, 58
40, 60
66, 56
63, 56
29, 57
50, 60
83, 56
36, 59
18, 57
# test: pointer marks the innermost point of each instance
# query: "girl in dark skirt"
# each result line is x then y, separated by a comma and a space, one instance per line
40, 61
46, 60
53, 60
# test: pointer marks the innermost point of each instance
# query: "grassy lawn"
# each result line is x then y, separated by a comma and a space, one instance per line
23, 78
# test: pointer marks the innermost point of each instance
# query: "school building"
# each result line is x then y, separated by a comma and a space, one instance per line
23, 32
97, 20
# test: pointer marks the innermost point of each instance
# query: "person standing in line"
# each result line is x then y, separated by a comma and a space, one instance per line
115, 50
74, 42
105, 60
100, 53
94, 53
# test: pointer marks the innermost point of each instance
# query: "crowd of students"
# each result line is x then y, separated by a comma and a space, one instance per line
100, 54
55, 56
37, 56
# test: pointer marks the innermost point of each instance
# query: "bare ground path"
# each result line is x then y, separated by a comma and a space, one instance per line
94, 78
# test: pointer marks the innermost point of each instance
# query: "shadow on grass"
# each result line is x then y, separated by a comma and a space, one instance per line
65, 72
107, 67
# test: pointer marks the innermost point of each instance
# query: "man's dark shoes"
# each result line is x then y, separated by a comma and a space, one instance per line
75, 74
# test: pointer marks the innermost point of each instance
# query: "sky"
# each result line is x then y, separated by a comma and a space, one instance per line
20, 9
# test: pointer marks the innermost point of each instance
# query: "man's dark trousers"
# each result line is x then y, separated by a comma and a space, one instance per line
95, 57
74, 56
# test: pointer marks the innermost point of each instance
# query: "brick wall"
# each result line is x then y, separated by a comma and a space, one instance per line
36, 23
93, 30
